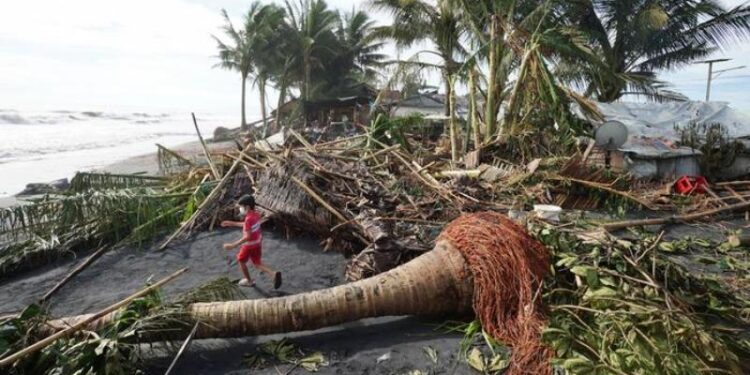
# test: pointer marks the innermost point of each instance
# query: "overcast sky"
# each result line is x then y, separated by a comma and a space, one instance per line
158, 55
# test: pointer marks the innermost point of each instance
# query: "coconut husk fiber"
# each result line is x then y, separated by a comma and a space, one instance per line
508, 267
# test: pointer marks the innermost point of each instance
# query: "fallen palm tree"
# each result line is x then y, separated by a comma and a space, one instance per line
481, 261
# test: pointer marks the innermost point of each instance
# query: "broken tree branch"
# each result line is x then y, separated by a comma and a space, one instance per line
205, 149
676, 218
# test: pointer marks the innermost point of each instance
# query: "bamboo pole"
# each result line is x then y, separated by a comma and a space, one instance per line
675, 219
205, 149
41, 344
383, 151
301, 139
318, 198
76, 271
204, 204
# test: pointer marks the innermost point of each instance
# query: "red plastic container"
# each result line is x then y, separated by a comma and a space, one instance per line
687, 185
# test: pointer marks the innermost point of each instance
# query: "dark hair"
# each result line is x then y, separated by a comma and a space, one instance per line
247, 200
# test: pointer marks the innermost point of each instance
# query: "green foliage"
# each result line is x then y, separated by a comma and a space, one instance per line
114, 348
283, 351
633, 40
478, 349
629, 307
392, 131
124, 208
718, 150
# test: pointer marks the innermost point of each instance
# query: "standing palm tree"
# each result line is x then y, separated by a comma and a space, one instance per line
263, 30
236, 54
249, 46
311, 39
362, 49
635, 39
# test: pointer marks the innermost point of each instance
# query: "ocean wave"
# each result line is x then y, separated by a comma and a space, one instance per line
14, 154
12, 117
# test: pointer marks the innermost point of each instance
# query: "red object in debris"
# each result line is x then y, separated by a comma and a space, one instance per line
687, 185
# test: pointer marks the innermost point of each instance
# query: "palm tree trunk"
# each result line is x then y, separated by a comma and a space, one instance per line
473, 110
262, 92
511, 117
452, 113
491, 114
280, 104
243, 124
437, 283
306, 93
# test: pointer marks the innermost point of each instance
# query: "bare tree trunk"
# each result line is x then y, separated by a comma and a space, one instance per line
280, 104
489, 104
453, 131
475, 126
511, 116
262, 92
437, 283
243, 124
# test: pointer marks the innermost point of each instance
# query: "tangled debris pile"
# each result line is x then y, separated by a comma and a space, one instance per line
614, 305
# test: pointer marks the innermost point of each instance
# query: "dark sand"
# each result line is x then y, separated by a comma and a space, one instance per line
351, 349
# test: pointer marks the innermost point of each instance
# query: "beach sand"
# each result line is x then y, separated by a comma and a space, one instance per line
351, 348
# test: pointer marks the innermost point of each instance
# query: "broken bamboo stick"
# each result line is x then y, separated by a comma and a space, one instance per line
41, 344
182, 348
76, 271
203, 204
674, 219
205, 149
319, 199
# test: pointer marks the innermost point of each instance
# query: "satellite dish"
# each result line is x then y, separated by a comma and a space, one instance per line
611, 135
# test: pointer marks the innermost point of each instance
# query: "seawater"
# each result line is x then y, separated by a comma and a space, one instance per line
41, 146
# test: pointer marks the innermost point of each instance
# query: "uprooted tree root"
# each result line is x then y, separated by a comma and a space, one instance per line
508, 268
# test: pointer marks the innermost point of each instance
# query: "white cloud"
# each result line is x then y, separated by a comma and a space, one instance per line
158, 53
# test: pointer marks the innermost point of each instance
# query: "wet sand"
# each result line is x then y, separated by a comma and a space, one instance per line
352, 348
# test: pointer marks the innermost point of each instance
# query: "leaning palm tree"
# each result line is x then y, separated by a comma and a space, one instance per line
515, 44
419, 21
636, 39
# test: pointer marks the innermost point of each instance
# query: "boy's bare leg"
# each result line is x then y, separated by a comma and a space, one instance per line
275, 275
263, 268
246, 273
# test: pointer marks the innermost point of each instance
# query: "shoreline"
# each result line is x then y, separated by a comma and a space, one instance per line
144, 163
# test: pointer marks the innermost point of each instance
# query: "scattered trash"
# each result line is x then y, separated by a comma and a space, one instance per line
383, 358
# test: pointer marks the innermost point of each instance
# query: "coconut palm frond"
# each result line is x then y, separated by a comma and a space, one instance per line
85, 181
53, 226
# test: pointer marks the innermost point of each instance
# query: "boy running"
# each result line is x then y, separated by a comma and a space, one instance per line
250, 241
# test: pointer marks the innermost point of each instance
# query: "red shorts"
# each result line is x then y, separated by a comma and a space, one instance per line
249, 252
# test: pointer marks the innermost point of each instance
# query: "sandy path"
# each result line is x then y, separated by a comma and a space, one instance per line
352, 348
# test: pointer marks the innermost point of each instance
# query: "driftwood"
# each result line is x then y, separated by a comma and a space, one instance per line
41, 344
